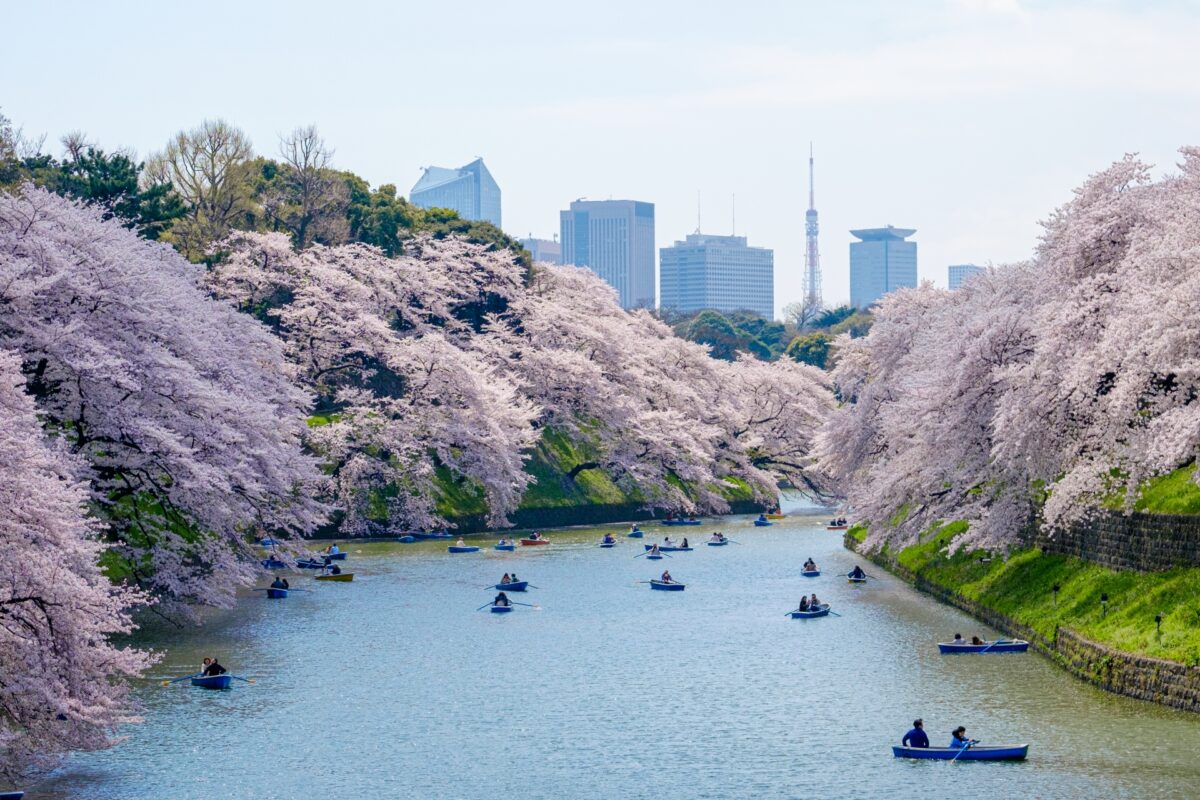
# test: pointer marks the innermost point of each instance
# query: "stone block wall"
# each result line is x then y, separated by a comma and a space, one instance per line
1144, 542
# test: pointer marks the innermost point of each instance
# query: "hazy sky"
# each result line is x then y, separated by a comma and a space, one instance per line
968, 120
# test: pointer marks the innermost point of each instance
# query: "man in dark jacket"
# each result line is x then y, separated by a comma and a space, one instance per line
916, 737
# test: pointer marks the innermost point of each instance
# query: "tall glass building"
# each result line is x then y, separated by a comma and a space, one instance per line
880, 263
717, 272
615, 240
469, 190
957, 273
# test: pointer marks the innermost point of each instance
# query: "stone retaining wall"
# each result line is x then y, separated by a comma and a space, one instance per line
1144, 542
1165, 682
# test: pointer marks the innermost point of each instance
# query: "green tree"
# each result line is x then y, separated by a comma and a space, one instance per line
810, 348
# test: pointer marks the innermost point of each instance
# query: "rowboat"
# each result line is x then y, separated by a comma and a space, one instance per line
334, 556
998, 646
467, 548
267, 542
608, 544
836, 527
272, 563
997, 752
11, 795
775, 516
509, 546
762, 523
519, 586
406, 539
653, 557
718, 544
501, 609
855, 580
681, 522
811, 573
435, 535
636, 533
277, 594
667, 548
822, 611
345, 577
532, 542
310, 563
213, 681
666, 587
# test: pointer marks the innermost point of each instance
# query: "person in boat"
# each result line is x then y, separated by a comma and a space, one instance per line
813, 602
762, 517
716, 537
666, 541
460, 542
331, 569
684, 544
917, 736
608, 539
333, 550
502, 600
634, 527
666, 576
977, 640
514, 578
958, 639
959, 740
533, 537
214, 668
204, 665
279, 583
857, 573
803, 604
653, 549
506, 579
810, 565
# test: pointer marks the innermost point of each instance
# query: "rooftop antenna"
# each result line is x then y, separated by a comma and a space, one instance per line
697, 211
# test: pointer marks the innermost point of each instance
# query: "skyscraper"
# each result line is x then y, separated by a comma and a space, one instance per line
882, 262
614, 239
812, 254
718, 272
470, 190
548, 251
957, 273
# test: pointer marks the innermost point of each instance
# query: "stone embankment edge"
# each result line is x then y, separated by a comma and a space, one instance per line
1155, 680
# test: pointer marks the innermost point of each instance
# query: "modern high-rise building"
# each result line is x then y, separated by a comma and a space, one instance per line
548, 251
615, 240
718, 272
957, 273
469, 190
880, 263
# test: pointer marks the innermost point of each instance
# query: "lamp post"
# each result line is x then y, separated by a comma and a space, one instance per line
1158, 624
1104, 604
1055, 589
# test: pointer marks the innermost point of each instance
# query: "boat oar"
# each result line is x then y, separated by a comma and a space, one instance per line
531, 586
240, 678
834, 613
482, 607
531, 605
960, 752
184, 678
990, 646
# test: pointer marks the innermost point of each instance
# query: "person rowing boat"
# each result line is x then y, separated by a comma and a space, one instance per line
666, 577
331, 569
609, 539
857, 573
653, 550
810, 565
502, 600
279, 583
212, 667
959, 740
813, 602
333, 550
535, 536
506, 579
717, 537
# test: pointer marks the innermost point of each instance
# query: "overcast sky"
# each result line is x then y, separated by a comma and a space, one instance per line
968, 120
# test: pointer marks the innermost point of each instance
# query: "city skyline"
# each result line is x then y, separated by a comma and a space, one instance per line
919, 113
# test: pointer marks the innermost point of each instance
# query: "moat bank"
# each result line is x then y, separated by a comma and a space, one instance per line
1055, 601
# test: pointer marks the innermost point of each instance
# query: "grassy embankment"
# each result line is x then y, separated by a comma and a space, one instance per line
1021, 587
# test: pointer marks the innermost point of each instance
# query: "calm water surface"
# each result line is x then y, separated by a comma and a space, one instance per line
394, 686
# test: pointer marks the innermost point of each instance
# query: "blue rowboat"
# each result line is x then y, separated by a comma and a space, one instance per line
608, 544
272, 563
268, 542
667, 548
519, 586
998, 646
822, 611
811, 573
11, 795
666, 587
653, 557
501, 609
470, 548
277, 594
855, 580
509, 547
763, 523
334, 556
310, 563
719, 544
406, 539
213, 681
674, 522
636, 534
998, 752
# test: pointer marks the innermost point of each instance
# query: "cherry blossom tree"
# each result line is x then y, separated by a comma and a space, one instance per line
61, 687
184, 409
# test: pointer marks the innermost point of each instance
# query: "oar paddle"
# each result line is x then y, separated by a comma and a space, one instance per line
531, 605
990, 646
834, 613
482, 607
184, 678
964, 749
531, 586
240, 678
